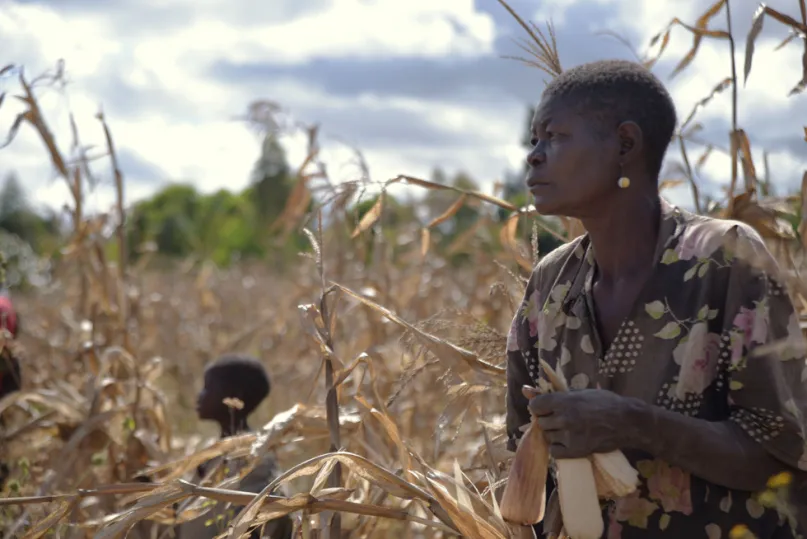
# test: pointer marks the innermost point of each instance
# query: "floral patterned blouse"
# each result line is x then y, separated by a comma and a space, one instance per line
712, 335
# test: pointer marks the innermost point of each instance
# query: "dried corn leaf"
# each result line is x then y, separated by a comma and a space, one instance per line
392, 432
749, 170
669, 184
719, 88
43, 526
157, 500
699, 31
425, 241
756, 28
764, 220
440, 187
507, 236
449, 213
15, 126
470, 525
664, 42
463, 362
370, 217
703, 157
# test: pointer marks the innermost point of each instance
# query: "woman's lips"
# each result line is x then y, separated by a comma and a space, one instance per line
534, 184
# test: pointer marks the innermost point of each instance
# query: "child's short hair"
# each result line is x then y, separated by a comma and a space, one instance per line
614, 91
241, 377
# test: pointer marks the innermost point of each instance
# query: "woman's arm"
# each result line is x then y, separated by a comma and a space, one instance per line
719, 452
765, 432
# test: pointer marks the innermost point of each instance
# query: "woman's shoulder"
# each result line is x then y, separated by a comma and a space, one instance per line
555, 260
704, 237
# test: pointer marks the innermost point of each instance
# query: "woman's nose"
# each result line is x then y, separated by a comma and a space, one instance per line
536, 156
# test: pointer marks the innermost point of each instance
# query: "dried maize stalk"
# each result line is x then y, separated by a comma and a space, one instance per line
524, 497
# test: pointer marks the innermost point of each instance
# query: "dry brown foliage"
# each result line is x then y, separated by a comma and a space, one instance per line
387, 408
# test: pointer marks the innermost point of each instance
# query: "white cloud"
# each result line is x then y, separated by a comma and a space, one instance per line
147, 63
171, 59
763, 96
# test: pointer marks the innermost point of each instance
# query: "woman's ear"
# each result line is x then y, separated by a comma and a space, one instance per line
631, 141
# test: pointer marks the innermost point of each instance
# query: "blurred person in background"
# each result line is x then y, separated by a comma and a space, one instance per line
234, 386
10, 372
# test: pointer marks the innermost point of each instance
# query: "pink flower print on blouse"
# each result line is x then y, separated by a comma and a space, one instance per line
670, 486
750, 326
634, 510
698, 354
698, 242
534, 313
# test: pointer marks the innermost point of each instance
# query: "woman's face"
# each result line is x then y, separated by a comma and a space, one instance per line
573, 164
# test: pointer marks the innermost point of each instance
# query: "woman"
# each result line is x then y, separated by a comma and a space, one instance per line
681, 345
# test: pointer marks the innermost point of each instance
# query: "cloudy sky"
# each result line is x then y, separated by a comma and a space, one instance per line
414, 84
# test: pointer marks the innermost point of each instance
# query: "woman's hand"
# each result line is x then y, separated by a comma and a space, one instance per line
579, 423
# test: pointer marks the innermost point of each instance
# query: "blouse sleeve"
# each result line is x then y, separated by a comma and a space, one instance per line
767, 396
518, 347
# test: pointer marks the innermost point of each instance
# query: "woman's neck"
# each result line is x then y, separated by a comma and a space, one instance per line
624, 236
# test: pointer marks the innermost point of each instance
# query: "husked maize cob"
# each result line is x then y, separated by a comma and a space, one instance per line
579, 504
581, 482
521, 532
603, 485
614, 474
524, 497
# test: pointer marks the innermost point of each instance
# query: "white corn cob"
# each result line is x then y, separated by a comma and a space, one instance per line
579, 503
614, 474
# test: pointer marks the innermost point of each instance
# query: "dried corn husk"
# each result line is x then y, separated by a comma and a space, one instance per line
524, 498
614, 475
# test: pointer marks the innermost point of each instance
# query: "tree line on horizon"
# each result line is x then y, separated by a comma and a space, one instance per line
227, 226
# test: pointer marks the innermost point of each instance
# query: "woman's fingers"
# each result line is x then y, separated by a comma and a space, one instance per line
550, 423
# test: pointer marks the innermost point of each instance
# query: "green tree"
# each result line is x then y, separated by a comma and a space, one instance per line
271, 181
219, 227
169, 219
17, 217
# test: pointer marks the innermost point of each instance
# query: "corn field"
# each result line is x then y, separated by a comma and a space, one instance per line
387, 408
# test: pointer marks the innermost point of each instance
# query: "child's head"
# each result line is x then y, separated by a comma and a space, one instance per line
232, 377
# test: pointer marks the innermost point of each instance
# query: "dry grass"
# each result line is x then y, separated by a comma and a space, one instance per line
387, 407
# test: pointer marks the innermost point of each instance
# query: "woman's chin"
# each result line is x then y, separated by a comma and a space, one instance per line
546, 205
